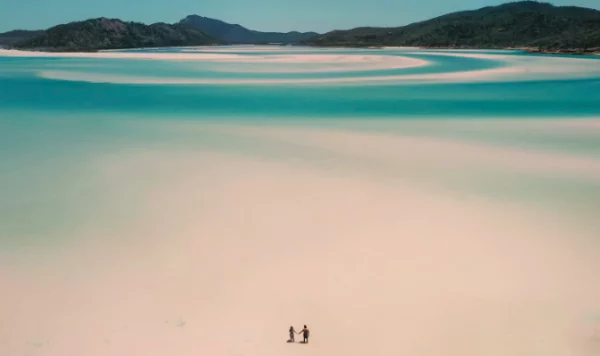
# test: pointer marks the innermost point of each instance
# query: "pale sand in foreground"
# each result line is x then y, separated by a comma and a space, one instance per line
226, 251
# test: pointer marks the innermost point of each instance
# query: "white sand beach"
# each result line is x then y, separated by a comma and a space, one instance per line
187, 251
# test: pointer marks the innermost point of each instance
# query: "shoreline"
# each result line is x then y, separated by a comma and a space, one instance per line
573, 51
565, 51
532, 50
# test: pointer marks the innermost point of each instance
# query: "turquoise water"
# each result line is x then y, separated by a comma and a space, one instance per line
22, 88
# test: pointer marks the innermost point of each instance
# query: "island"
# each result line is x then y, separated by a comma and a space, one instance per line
526, 25
530, 26
103, 33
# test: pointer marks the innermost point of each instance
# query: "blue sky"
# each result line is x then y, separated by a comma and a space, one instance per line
265, 15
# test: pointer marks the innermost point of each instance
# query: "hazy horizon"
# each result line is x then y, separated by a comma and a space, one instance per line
261, 15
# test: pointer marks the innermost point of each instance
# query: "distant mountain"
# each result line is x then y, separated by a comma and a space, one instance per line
237, 34
8, 38
517, 24
103, 33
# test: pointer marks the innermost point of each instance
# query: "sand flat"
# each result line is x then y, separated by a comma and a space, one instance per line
223, 251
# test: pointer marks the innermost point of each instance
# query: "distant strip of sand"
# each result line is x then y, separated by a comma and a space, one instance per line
400, 62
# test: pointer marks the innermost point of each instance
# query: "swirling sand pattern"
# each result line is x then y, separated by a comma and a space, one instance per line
282, 82
198, 201
353, 67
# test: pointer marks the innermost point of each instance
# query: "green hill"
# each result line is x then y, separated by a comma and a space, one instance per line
233, 33
517, 24
103, 33
10, 37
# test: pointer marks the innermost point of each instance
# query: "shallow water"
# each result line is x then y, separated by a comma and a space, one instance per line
160, 199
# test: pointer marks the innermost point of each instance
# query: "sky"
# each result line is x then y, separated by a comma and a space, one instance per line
263, 15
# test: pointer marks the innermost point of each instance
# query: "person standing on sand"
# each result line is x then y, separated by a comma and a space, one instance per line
305, 333
292, 334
